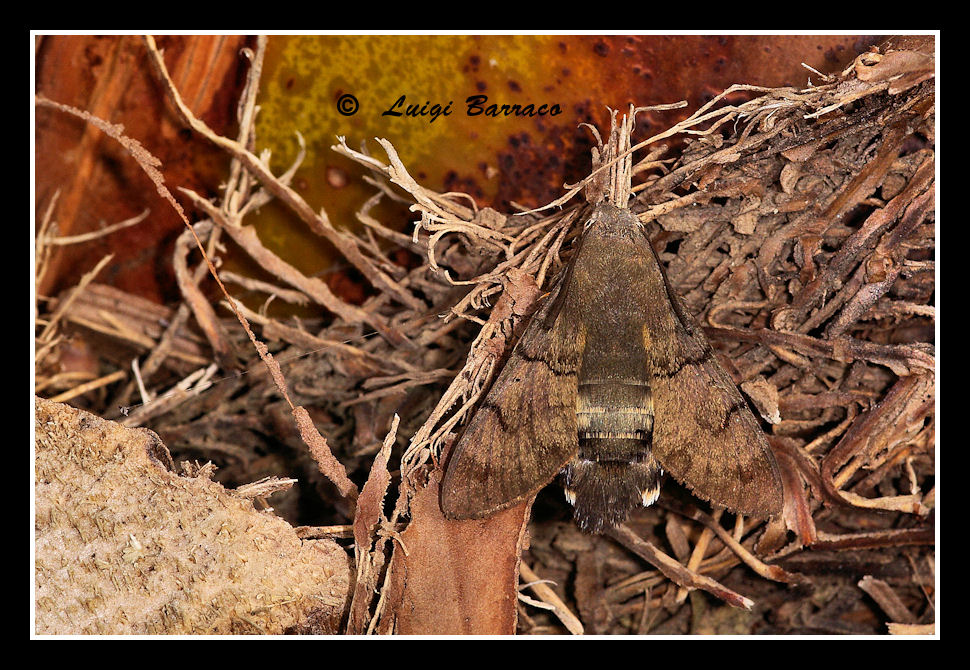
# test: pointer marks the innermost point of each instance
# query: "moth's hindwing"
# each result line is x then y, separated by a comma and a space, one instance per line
713, 443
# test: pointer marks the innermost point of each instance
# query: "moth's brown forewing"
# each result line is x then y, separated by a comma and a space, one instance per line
611, 383
525, 430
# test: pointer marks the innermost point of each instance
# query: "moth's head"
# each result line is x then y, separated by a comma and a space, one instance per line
609, 220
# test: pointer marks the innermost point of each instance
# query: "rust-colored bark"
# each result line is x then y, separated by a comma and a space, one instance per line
109, 77
455, 577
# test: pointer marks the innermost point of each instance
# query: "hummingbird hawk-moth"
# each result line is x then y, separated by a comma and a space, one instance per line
612, 383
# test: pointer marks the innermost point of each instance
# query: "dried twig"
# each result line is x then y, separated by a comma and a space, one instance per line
548, 596
674, 570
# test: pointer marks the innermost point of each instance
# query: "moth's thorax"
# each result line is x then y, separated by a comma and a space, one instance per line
608, 221
617, 281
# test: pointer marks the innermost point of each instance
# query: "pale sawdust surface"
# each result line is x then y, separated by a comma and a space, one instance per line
124, 545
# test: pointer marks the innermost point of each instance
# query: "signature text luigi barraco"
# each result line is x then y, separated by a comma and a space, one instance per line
476, 105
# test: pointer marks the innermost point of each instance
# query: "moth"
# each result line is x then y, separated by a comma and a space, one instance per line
612, 384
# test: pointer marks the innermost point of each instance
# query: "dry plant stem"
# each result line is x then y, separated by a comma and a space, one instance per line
124, 331
902, 359
81, 389
772, 572
900, 456
317, 290
441, 216
236, 185
265, 487
239, 181
887, 600
192, 385
381, 602
875, 539
341, 531
439, 206
369, 543
42, 250
142, 391
410, 381
608, 164
648, 613
61, 379
327, 463
237, 202
683, 173
166, 343
899, 404
634, 585
700, 117
310, 342
888, 248
399, 239
466, 387
293, 297
697, 556
48, 333
548, 596
95, 234
795, 315
102, 309
319, 223
911, 629
827, 437
797, 511
677, 538
674, 571
201, 308
146, 161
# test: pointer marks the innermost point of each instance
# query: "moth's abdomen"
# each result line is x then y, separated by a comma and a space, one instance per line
614, 472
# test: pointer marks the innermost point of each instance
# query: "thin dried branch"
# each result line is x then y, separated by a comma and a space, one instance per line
264, 487
202, 309
674, 570
368, 547
772, 572
65, 240
49, 329
547, 596
192, 385
81, 389
887, 600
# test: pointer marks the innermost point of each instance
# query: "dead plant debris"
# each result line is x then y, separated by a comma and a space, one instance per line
799, 225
